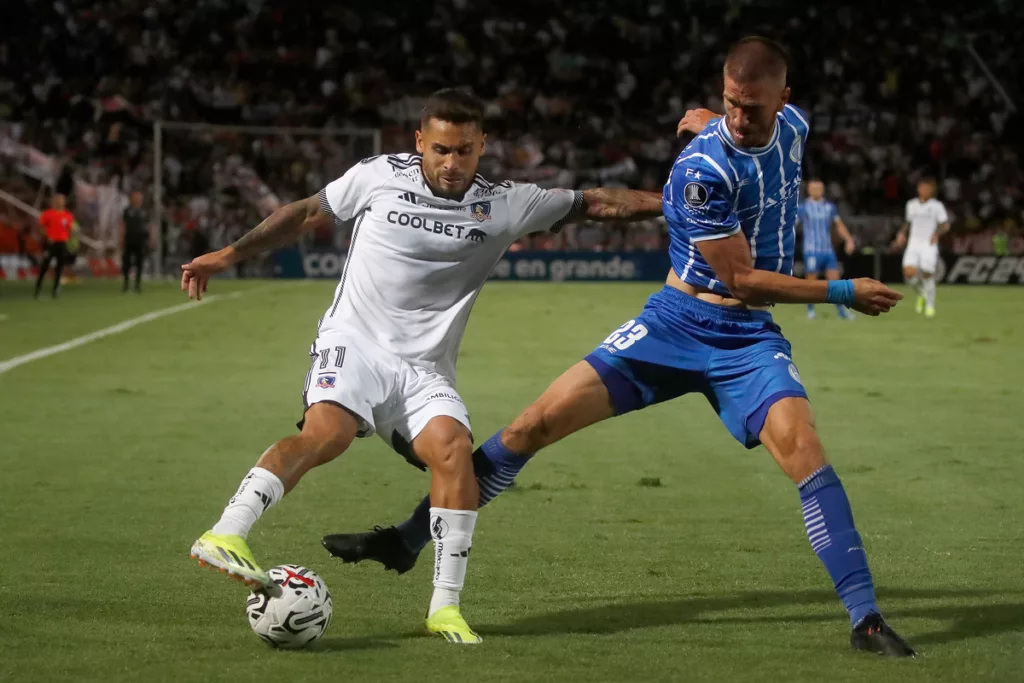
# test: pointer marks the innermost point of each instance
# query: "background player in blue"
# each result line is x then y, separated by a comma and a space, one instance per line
816, 217
731, 205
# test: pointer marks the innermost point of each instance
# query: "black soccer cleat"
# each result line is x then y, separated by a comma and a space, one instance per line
382, 545
872, 634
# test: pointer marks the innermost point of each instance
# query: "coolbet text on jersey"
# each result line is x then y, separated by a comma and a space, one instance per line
679, 344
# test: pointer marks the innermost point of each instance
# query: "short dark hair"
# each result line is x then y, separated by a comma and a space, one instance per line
928, 179
454, 106
756, 57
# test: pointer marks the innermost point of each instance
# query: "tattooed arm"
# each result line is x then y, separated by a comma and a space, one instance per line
280, 228
613, 204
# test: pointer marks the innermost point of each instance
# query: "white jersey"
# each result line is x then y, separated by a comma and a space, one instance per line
924, 219
417, 262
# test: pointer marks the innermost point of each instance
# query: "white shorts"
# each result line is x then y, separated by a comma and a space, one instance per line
389, 395
923, 257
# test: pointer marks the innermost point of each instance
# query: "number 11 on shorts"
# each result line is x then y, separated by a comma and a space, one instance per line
325, 357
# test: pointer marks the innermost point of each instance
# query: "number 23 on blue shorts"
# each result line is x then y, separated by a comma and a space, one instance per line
679, 344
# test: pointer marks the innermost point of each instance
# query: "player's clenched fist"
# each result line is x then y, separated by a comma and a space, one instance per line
196, 274
872, 297
694, 121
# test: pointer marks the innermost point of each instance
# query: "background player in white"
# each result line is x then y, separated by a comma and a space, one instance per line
926, 221
428, 232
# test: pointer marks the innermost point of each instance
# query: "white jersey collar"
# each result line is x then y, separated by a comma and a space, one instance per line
449, 200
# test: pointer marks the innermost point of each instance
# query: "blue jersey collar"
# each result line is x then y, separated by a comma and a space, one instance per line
748, 151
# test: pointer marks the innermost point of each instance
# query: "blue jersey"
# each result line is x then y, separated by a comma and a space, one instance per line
717, 189
816, 217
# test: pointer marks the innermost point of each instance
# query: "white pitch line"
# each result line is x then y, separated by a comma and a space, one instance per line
12, 363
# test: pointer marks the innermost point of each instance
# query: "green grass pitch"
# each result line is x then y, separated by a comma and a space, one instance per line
115, 455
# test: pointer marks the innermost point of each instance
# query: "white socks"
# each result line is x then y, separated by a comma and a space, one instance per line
452, 531
258, 491
915, 282
928, 292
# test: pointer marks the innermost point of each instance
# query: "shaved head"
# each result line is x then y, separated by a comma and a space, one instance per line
755, 90
755, 59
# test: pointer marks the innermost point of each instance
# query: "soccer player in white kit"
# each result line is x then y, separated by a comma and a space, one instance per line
428, 232
926, 221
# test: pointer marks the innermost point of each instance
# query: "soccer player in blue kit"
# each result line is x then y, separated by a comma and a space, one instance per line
816, 217
731, 203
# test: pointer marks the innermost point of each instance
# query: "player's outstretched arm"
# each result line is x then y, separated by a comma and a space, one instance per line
614, 204
729, 257
280, 228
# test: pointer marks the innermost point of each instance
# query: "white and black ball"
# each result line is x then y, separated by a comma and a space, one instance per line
293, 612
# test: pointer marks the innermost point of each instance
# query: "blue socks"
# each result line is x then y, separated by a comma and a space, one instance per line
826, 510
495, 466
833, 537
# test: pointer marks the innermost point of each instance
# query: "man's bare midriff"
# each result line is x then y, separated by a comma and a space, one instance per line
705, 294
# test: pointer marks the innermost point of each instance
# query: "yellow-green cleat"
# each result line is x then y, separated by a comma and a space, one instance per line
919, 307
929, 312
449, 623
230, 555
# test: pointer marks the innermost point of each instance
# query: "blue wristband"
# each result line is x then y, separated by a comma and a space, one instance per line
840, 292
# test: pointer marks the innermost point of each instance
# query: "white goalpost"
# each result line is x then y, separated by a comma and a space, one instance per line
346, 145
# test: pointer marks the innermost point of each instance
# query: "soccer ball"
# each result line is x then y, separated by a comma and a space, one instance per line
293, 612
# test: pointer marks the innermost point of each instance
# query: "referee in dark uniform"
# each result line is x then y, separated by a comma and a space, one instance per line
135, 239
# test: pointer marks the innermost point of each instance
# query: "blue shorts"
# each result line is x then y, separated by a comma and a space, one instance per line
819, 262
679, 344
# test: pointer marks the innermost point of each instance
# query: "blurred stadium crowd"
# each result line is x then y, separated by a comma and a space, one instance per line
578, 93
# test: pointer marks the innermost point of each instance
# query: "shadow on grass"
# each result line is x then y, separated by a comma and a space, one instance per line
353, 643
971, 613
